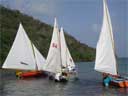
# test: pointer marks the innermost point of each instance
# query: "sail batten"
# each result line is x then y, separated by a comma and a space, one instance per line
105, 51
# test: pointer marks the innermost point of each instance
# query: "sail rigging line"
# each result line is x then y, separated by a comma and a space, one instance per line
36, 67
110, 32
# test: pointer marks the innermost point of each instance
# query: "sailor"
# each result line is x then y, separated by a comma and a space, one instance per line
106, 79
57, 76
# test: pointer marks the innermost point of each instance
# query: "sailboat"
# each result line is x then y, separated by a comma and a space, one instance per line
23, 55
66, 57
105, 51
53, 60
58, 56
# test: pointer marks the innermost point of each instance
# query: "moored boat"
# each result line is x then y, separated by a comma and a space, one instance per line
24, 56
106, 62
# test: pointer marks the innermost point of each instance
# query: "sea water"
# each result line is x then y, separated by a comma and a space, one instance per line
89, 84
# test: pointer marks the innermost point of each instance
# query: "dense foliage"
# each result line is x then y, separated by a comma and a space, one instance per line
39, 33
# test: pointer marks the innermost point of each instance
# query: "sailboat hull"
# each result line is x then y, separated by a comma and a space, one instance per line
126, 83
62, 80
31, 74
119, 83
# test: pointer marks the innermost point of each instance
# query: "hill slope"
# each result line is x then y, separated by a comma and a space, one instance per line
39, 33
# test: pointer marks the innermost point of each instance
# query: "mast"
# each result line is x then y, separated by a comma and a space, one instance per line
36, 67
60, 51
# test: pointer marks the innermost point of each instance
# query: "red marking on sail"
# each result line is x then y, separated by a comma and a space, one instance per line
54, 45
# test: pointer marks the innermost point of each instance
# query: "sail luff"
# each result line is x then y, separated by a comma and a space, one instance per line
110, 24
60, 51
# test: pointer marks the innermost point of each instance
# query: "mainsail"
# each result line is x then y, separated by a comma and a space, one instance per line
105, 51
21, 55
53, 61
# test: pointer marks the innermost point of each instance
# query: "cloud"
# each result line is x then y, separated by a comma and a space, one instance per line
35, 7
47, 7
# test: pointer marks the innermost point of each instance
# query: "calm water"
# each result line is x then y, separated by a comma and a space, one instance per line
89, 84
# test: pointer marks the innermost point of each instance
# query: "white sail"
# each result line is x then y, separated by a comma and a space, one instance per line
40, 60
105, 52
21, 53
70, 61
63, 48
65, 54
53, 61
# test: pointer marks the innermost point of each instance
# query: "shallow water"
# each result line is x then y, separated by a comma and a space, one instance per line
89, 84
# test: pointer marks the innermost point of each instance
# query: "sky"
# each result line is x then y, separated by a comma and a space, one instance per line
80, 18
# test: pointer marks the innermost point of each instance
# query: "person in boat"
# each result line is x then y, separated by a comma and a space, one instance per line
64, 75
57, 77
106, 79
18, 73
72, 69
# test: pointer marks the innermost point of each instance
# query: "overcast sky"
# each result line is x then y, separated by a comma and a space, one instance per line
80, 18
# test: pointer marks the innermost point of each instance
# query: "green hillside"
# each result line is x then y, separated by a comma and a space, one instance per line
39, 33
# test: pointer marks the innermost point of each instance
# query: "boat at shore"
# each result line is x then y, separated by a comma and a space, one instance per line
24, 57
106, 62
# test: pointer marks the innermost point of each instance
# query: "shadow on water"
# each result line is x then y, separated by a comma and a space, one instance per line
88, 84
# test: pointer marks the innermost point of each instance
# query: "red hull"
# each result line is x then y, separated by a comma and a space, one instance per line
119, 83
31, 74
126, 83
